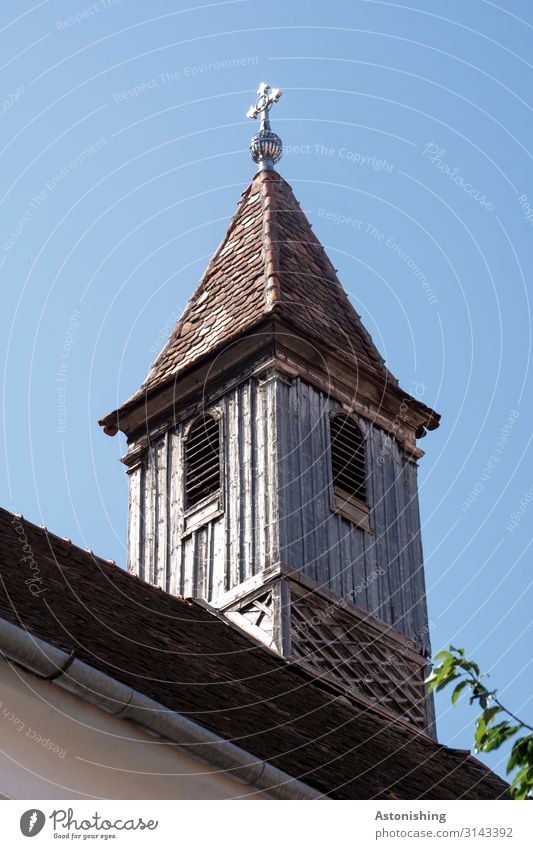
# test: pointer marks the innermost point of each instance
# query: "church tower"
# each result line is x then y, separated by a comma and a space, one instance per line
272, 460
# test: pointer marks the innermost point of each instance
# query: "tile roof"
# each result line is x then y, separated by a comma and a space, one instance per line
269, 261
185, 657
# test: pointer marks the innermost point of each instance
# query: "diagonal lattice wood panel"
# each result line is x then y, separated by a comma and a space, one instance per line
359, 657
255, 613
259, 611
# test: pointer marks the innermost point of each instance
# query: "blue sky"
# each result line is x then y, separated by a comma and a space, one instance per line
124, 150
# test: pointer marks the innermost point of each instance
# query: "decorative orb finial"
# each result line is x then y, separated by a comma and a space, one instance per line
266, 146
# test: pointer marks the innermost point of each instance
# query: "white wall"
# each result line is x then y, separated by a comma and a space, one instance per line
53, 745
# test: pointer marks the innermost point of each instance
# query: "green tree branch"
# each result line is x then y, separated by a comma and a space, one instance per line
495, 724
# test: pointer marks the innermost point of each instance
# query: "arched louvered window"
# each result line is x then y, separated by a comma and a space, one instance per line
348, 457
202, 459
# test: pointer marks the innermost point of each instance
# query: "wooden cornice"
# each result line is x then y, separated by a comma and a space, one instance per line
275, 344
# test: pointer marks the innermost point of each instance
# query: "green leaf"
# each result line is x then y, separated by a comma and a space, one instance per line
474, 666
458, 690
496, 735
481, 730
443, 654
490, 713
521, 753
523, 783
447, 680
446, 667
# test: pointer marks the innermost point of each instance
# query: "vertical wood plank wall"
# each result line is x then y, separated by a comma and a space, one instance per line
330, 549
277, 499
232, 547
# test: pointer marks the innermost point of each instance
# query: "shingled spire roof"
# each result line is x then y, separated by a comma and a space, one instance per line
269, 261
270, 278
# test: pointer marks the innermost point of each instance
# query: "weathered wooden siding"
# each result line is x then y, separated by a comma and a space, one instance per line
277, 498
232, 546
383, 571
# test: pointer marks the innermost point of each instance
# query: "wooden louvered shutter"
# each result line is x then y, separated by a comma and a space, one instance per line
202, 460
348, 457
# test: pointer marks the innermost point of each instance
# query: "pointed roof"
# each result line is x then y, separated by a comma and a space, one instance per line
269, 261
269, 264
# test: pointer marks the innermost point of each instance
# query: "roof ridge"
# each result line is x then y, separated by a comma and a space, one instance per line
270, 242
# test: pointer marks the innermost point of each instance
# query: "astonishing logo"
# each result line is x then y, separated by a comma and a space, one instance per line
32, 822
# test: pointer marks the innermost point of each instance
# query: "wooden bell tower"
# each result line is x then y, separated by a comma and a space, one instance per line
272, 460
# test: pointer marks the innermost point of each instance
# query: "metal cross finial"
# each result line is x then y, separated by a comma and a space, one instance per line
265, 147
267, 96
